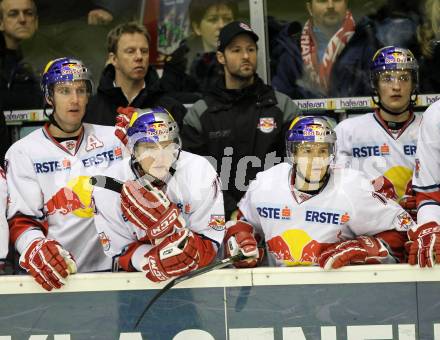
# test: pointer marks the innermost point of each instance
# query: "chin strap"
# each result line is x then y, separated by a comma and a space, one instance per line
139, 172
322, 183
55, 123
411, 104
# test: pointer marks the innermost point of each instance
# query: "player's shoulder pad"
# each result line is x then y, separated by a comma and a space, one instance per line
355, 122
351, 179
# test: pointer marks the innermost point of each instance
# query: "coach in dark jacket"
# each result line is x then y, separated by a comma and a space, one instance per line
102, 106
240, 123
347, 47
128, 79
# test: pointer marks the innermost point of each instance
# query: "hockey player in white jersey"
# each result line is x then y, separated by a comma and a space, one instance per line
169, 218
383, 143
425, 248
310, 213
50, 211
4, 230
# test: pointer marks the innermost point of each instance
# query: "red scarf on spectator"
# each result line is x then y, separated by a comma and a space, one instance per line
319, 73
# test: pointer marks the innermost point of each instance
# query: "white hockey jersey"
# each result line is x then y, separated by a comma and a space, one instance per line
365, 143
296, 226
4, 229
50, 194
426, 179
194, 188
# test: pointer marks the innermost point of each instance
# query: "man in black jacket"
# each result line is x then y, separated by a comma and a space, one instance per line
241, 120
19, 87
128, 80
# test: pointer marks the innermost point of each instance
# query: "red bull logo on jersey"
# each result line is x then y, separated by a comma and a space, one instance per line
294, 247
105, 156
104, 240
52, 166
275, 213
217, 222
326, 217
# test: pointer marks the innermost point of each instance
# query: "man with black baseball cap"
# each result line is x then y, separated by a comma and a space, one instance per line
240, 120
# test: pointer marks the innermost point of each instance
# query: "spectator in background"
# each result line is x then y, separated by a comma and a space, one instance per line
329, 57
128, 79
240, 120
72, 27
193, 66
429, 40
19, 87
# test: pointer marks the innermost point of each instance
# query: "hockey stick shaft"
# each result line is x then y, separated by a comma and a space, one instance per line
190, 275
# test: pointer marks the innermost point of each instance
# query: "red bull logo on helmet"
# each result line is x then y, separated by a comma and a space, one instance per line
73, 69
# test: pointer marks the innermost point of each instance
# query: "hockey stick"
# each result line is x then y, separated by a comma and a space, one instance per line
106, 183
190, 275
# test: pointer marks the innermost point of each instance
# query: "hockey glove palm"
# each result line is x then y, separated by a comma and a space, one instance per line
362, 250
48, 263
424, 245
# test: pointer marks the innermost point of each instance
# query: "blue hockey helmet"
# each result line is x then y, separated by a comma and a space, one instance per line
393, 58
64, 70
309, 129
153, 125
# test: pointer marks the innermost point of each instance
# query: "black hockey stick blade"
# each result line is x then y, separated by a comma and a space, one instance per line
190, 275
106, 183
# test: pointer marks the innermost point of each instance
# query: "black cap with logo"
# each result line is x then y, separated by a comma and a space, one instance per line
230, 31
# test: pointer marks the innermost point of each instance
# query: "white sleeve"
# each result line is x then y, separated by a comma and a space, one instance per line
343, 147
248, 209
4, 229
426, 177
374, 213
207, 215
25, 198
114, 232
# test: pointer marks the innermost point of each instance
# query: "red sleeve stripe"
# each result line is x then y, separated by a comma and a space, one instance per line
125, 258
20, 223
422, 197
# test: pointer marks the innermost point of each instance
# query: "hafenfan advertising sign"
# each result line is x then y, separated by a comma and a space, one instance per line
356, 303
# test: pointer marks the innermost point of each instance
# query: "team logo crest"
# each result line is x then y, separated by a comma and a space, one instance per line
104, 240
70, 145
405, 221
267, 124
217, 222
93, 143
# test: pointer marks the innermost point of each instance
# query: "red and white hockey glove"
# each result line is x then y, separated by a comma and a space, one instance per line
240, 238
362, 250
48, 263
150, 210
424, 245
122, 122
177, 255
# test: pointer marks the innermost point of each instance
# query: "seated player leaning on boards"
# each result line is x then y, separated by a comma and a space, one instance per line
312, 213
50, 210
168, 218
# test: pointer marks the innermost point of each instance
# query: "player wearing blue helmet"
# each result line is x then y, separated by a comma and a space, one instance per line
172, 219
394, 80
383, 143
311, 212
51, 210
66, 84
